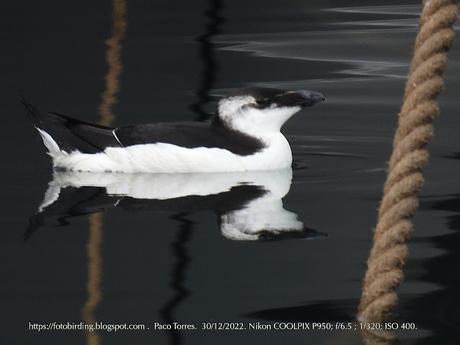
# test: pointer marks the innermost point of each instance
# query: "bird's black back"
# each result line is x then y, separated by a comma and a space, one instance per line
190, 135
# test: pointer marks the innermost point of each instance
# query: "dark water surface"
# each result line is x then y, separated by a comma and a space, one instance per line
182, 248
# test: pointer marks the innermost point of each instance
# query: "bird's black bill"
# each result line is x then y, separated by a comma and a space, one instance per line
300, 98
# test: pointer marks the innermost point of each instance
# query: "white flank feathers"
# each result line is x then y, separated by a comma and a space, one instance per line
168, 158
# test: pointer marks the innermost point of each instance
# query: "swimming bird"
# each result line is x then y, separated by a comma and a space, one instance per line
243, 136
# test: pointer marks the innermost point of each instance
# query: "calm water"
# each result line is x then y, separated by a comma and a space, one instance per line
183, 248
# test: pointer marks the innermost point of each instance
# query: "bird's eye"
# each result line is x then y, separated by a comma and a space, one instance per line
262, 102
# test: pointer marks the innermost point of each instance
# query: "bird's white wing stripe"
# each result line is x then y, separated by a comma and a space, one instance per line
116, 138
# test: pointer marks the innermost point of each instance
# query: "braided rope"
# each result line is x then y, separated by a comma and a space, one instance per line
405, 180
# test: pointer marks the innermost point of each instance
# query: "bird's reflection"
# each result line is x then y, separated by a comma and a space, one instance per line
248, 205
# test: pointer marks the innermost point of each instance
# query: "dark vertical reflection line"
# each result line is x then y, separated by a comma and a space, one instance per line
207, 55
106, 117
179, 249
184, 234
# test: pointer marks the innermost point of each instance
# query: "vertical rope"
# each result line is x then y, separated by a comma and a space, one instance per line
404, 180
96, 221
113, 58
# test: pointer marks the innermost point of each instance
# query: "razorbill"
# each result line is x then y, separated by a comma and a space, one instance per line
243, 136
248, 204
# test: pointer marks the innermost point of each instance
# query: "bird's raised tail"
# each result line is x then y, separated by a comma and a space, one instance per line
63, 134
32, 112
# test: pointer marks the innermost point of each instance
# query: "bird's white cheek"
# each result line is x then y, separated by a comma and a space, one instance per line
273, 119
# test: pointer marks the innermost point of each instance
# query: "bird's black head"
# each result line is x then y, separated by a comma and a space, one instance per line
270, 97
